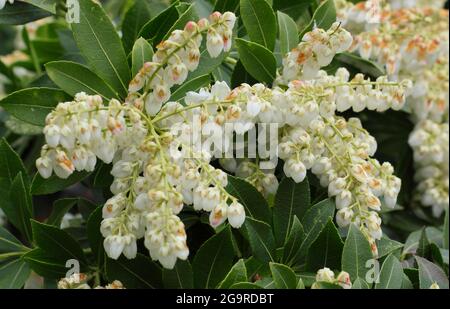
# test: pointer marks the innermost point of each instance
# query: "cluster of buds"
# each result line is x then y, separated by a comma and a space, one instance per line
79, 132
176, 57
317, 49
79, 281
264, 180
429, 141
327, 275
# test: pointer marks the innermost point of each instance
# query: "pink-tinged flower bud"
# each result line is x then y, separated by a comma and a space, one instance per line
218, 215
215, 17
344, 280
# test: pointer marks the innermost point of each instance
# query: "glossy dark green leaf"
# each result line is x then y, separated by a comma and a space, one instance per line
45, 264
391, 274
213, 260
180, 277
283, 276
360, 284
245, 286
20, 210
74, 78
100, 44
94, 235
257, 60
255, 204
241, 76
356, 253
14, 273
21, 13
292, 199
186, 13
57, 243
430, 273
259, 20
238, 273
324, 17
9, 243
326, 250
294, 241
261, 239
361, 65
59, 209
41, 186
156, 29
33, 104
135, 18
138, 273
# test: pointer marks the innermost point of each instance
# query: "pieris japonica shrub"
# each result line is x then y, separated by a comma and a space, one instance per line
224, 144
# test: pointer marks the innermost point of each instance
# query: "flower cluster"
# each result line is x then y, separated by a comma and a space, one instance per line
176, 57
430, 141
317, 49
327, 275
79, 281
411, 41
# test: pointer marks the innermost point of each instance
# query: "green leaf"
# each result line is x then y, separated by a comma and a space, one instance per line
261, 239
10, 166
181, 277
47, 5
156, 29
386, 246
45, 264
300, 284
238, 273
360, 284
283, 276
259, 20
240, 76
326, 251
245, 286
295, 239
445, 246
57, 243
100, 44
20, 210
94, 235
257, 60
361, 65
213, 260
324, 17
59, 209
327, 285
423, 248
21, 13
391, 275
190, 85
292, 199
138, 273
255, 204
142, 53
227, 5
406, 283
135, 18
288, 33
41, 186
9, 243
13, 274
313, 222
356, 253
186, 13
413, 276
33, 104
430, 273
294, 8
74, 78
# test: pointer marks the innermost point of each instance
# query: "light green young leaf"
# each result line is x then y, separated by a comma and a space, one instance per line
142, 53
430, 273
41, 186
288, 33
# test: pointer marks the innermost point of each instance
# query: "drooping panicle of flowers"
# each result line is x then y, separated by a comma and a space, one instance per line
176, 57
430, 143
317, 49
